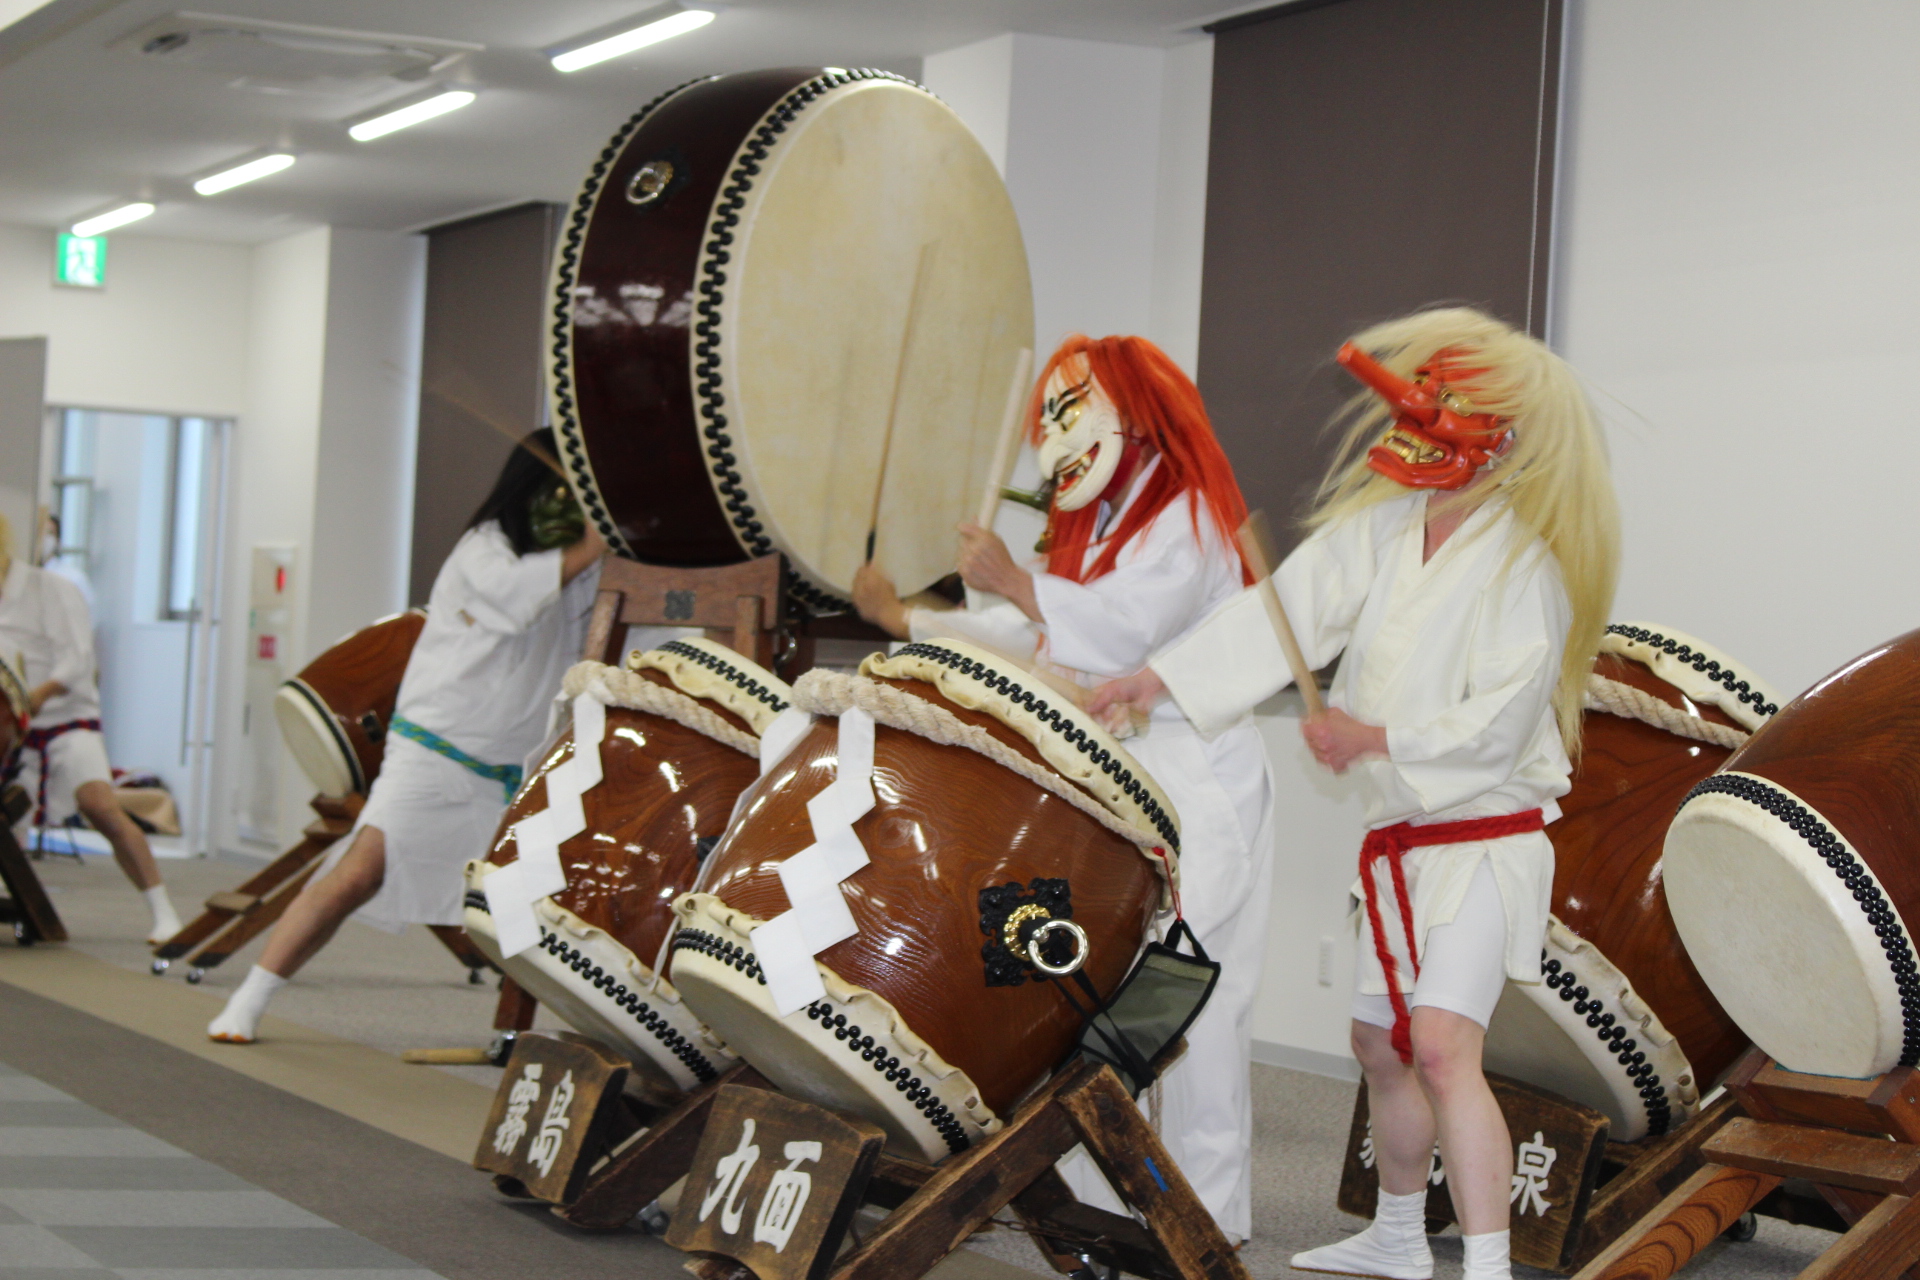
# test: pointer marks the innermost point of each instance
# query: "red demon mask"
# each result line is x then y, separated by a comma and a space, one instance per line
1436, 441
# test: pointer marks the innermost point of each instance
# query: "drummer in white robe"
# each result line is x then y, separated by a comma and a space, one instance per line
1143, 507
507, 616
1461, 568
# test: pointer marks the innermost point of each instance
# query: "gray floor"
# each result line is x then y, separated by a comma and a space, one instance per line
402, 991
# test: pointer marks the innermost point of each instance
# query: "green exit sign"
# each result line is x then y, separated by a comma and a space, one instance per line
81, 261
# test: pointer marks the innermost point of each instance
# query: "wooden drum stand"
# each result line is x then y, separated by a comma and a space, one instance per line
26, 905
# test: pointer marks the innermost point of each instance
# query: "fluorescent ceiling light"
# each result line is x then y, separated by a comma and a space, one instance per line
227, 179
438, 105
105, 222
677, 24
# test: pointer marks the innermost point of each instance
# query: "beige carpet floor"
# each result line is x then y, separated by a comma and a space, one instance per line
379, 992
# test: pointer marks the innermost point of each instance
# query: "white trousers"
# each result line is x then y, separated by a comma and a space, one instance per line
1463, 963
75, 758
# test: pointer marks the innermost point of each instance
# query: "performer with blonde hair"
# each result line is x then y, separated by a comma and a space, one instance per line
505, 619
1463, 556
47, 630
1139, 546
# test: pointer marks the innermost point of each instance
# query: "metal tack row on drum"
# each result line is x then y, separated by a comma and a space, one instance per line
995, 810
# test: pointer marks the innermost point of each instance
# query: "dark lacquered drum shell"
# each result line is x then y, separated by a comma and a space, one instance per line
1607, 847
948, 823
663, 788
358, 682
628, 384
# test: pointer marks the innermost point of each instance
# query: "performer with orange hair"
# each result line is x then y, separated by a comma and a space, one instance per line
1139, 548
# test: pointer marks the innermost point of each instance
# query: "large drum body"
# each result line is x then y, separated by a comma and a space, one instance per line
778, 290
333, 715
996, 809
1623, 1021
679, 741
1794, 872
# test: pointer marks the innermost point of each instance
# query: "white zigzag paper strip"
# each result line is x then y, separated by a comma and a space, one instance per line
818, 915
537, 872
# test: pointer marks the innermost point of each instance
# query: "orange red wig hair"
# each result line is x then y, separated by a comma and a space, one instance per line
1160, 406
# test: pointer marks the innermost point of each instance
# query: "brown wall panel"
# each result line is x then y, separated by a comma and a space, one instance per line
1367, 157
481, 368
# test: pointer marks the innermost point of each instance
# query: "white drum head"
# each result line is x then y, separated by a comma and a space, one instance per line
1784, 943
315, 739
834, 359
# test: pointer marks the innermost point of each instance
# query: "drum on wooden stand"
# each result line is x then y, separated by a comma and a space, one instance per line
333, 715
676, 744
1794, 872
1624, 1022
787, 304
1000, 820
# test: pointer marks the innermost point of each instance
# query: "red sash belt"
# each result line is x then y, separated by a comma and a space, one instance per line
1392, 843
38, 740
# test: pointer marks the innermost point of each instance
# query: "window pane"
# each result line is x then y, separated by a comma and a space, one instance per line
183, 559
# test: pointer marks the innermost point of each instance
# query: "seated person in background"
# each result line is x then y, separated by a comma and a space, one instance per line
507, 616
46, 631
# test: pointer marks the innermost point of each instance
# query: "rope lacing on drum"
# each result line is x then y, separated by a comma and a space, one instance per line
1853, 873
1721, 674
1616, 697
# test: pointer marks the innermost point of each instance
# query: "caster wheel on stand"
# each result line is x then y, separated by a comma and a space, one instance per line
159, 967
22, 934
1744, 1228
194, 975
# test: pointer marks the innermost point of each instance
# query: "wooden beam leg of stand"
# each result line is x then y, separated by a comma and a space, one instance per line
1681, 1225
1128, 1151
1065, 1228
31, 909
455, 939
240, 928
1885, 1242
1046, 1198
650, 1162
516, 1008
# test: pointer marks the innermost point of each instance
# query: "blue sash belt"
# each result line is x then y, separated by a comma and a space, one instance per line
507, 775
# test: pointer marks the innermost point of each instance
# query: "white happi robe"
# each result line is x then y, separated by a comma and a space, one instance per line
1165, 581
501, 631
1457, 657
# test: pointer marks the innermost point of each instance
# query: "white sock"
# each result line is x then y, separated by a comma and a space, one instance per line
1489, 1256
1394, 1245
241, 1018
166, 921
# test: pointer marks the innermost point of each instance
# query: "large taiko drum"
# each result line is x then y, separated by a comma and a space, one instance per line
782, 297
996, 811
1794, 872
333, 715
679, 741
1623, 1021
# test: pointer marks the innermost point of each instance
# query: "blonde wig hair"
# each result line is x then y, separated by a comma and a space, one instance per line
6, 540
1554, 477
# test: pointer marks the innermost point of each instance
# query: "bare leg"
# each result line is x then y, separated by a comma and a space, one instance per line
312, 917
1473, 1134
1403, 1121
96, 803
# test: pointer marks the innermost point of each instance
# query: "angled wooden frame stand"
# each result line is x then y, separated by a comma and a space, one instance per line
26, 905
1857, 1141
934, 1208
740, 605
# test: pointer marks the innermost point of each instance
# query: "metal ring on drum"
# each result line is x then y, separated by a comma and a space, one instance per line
1036, 943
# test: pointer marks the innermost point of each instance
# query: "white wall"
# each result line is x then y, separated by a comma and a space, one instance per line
1738, 273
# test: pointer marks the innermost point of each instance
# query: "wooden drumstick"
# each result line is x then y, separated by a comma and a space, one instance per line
899, 381
469, 404
1008, 445
1253, 547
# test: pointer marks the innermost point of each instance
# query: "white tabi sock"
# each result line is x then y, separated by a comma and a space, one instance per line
1394, 1246
1489, 1256
241, 1018
166, 922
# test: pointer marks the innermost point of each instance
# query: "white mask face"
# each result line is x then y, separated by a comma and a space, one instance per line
1081, 440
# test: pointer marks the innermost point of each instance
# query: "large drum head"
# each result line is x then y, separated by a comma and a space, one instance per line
858, 293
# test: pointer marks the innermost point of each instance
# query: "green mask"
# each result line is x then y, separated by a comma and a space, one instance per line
556, 518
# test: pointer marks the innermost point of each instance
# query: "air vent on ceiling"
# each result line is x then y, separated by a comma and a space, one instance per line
282, 57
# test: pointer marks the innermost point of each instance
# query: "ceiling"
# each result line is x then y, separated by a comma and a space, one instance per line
93, 122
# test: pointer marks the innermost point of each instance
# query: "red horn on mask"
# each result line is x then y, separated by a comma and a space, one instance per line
1408, 399
1436, 440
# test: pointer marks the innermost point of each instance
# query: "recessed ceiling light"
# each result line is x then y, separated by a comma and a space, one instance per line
382, 125
104, 222
227, 179
674, 24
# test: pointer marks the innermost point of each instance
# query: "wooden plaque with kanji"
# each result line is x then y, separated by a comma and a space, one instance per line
774, 1183
1558, 1145
556, 1102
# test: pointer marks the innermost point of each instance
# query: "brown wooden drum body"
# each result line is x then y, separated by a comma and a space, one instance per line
333, 715
1624, 1022
16, 711
680, 743
1794, 872
932, 1025
766, 278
